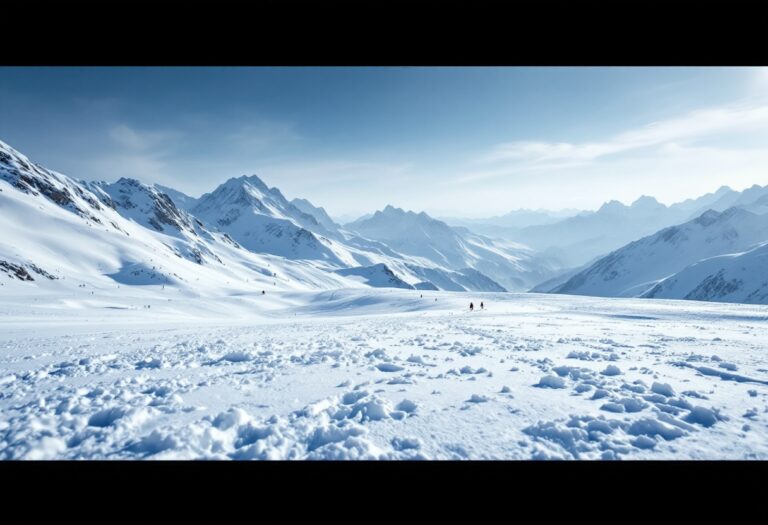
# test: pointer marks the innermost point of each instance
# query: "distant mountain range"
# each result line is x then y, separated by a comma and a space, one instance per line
514, 266
669, 262
242, 232
734, 277
244, 236
583, 236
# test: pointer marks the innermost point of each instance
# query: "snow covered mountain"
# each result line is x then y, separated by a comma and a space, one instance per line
513, 266
720, 200
181, 200
242, 236
377, 275
754, 199
65, 233
414, 234
578, 239
143, 204
346, 218
638, 267
148, 207
735, 278
319, 213
246, 236
559, 279
262, 220
583, 237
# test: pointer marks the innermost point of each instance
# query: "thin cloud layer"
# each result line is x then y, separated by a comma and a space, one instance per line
459, 141
692, 126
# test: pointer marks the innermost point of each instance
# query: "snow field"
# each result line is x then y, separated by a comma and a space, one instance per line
358, 374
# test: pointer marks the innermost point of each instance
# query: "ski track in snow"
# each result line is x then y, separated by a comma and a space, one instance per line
532, 377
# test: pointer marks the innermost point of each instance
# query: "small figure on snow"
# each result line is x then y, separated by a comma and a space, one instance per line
481, 305
471, 307
263, 292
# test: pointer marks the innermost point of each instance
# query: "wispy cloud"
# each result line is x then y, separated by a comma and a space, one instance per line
142, 140
140, 153
533, 155
264, 134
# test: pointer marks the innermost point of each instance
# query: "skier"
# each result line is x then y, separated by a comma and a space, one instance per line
471, 307
263, 292
481, 305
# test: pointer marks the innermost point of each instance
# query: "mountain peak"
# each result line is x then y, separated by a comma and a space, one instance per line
399, 213
645, 201
736, 211
245, 189
611, 206
128, 181
253, 180
710, 216
642, 199
392, 210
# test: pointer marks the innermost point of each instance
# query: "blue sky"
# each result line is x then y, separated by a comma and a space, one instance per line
449, 141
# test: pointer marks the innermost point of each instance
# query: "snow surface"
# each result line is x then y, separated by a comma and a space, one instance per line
378, 374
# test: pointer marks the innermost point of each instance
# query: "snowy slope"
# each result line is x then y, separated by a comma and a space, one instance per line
100, 235
754, 199
383, 374
262, 220
377, 275
131, 233
145, 205
578, 239
181, 200
319, 213
465, 279
720, 200
559, 279
634, 269
513, 266
414, 234
749, 199
586, 236
736, 277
